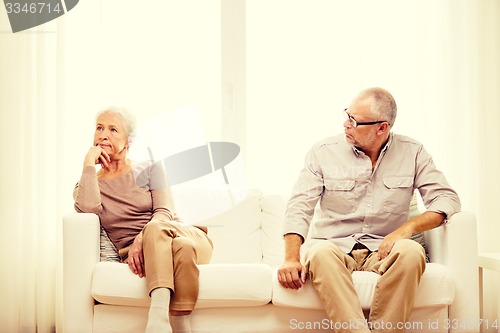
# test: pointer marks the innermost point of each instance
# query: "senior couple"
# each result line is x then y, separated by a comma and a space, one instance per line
358, 184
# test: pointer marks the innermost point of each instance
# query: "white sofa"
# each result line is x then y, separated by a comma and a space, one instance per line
239, 291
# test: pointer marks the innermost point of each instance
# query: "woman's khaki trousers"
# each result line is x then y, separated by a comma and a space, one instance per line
171, 253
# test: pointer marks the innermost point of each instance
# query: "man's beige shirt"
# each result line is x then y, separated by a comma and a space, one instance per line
351, 204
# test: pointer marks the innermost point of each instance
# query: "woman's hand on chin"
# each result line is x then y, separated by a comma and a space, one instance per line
97, 155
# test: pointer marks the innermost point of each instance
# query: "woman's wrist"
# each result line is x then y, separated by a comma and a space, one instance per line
138, 239
88, 163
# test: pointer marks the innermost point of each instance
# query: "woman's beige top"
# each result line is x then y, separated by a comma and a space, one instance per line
127, 203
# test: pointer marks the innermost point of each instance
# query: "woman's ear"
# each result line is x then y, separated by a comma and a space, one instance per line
130, 140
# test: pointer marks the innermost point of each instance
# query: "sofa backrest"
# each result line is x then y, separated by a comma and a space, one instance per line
236, 232
251, 230
248, 229
273, 213
244, 225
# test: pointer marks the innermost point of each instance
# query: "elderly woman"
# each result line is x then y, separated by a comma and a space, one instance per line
136, 209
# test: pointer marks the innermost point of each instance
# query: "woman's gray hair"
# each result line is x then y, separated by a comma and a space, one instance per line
383, 104
128, 118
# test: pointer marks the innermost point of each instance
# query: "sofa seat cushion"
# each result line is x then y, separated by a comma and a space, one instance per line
221, 285
437, 287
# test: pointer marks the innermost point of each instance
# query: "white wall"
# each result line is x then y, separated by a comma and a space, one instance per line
307, 60
159, 59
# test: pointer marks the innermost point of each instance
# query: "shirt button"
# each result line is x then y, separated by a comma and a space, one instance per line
366, 225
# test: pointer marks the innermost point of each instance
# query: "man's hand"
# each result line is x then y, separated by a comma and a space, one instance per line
425, 221
386, 246
135, 258
292, 275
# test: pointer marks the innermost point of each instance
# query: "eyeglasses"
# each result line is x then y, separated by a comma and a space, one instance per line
356, 123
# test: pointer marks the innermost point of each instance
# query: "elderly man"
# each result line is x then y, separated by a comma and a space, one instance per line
364, 180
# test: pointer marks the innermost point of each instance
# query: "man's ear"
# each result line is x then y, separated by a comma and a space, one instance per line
384, 127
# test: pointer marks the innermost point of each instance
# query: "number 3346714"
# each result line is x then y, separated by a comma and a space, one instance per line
455, 324
32, 8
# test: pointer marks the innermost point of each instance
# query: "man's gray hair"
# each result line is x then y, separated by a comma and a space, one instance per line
383, 104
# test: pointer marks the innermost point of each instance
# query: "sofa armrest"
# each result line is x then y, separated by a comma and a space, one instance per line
80, 255
455, 246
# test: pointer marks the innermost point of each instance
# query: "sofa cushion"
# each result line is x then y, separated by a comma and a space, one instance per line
236, 233
195, 203
437, 287
273, 213
221, 285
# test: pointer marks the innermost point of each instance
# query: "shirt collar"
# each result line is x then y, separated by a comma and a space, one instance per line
358, 151
388, 144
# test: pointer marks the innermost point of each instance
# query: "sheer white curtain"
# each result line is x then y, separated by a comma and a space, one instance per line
30, 183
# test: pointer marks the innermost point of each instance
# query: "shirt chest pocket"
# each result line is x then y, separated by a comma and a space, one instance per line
397, 194
339, 195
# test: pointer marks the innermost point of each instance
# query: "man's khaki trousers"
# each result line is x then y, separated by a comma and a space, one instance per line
330, 270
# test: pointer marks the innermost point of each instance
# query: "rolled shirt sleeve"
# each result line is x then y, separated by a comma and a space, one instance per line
436, 193
305, 195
